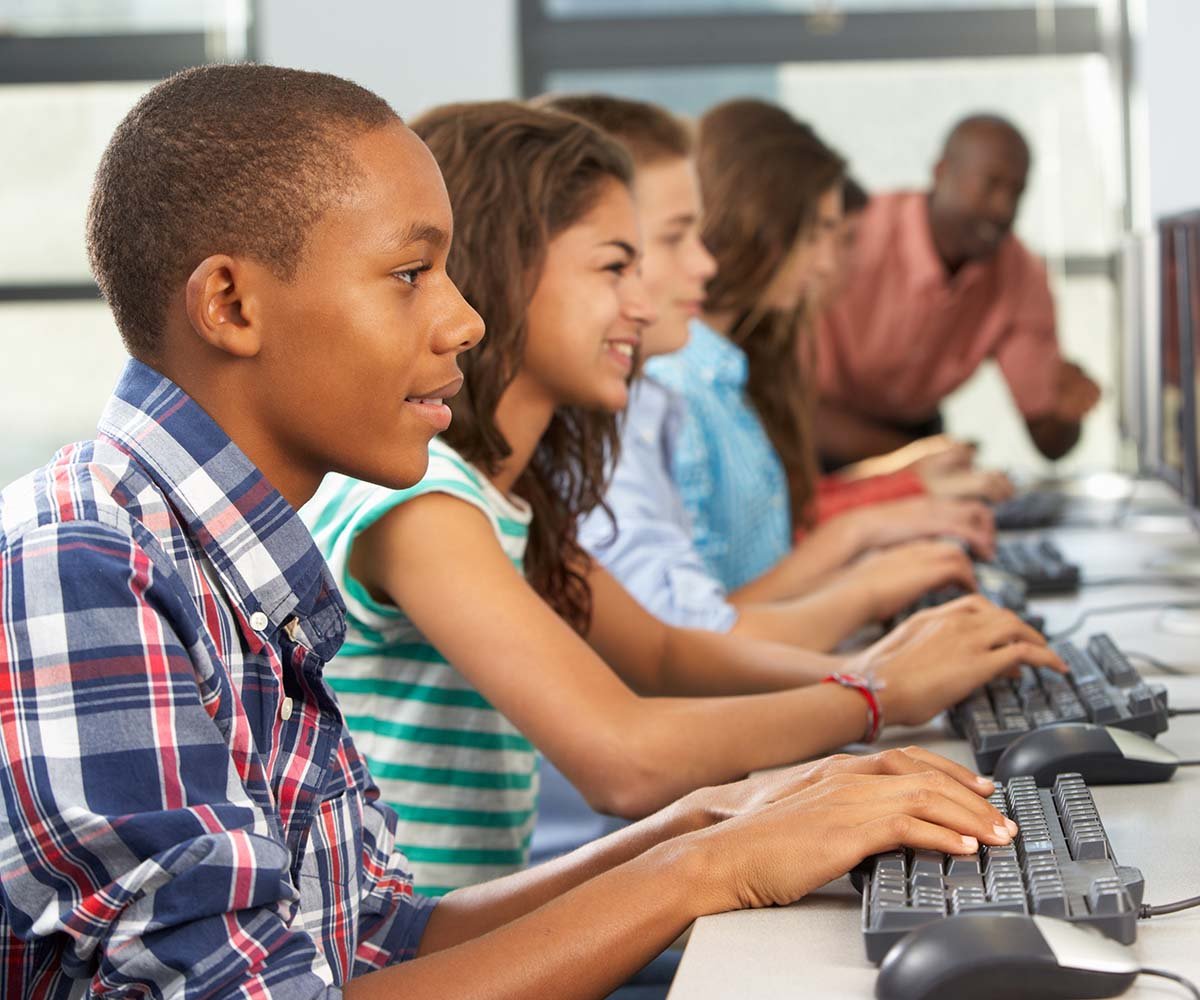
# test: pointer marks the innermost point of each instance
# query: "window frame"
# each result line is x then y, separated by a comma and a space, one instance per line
771, 38
120, 57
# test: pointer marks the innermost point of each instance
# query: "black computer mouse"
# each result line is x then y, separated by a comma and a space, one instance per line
999, 956
1104, 755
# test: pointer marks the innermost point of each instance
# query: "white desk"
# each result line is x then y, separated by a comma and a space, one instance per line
815, 948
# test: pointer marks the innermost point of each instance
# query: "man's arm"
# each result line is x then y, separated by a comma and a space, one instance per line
1056, 433
847, 436
130, 832
578, 927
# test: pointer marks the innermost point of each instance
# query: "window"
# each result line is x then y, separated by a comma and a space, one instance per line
69, 71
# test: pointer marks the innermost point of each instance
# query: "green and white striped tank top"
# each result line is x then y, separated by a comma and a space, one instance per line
462, 779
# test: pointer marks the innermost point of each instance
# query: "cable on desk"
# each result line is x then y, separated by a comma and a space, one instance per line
1146, 911
1189, 763
1112, 609
1134, 581
1172, 712
1174, 977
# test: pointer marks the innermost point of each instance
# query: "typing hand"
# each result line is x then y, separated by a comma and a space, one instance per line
937, 657
892, 579
981, 484
939, 455
792, 845
1077, 393
897, 521
722, 802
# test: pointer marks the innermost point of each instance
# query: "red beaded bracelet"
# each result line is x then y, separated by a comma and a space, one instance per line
866, 688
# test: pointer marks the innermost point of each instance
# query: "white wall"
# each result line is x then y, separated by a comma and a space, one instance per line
1169, 72
415, 55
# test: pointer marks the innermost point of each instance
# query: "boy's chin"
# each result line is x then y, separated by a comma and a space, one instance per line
399, 472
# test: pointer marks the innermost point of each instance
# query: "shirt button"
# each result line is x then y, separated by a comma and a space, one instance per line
285, 710
259, 621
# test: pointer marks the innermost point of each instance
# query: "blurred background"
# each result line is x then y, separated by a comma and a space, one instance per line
1103, 89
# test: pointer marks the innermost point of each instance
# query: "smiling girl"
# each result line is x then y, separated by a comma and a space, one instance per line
478, 627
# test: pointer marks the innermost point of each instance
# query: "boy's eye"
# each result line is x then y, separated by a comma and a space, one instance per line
410, 275
617, 267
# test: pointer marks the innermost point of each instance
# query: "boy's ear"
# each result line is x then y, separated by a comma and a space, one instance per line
221, 306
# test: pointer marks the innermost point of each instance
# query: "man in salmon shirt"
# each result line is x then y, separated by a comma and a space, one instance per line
940, 285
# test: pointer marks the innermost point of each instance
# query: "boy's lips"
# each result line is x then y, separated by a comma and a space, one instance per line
431, 406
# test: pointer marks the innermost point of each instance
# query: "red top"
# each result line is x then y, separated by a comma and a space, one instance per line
836, 495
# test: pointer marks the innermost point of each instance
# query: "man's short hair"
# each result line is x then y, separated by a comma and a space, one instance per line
854, 196
967, 129
233, 159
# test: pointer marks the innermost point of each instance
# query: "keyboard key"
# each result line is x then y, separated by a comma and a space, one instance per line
927, 862
963, 864
1109, 896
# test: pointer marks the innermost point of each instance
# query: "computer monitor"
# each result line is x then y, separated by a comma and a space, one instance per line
1189, 312
1179, 408
1141, 353
1131, 413
1174, 351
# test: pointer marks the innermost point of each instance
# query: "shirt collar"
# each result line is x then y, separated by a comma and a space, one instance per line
654, 412
716, 358
262, 551
916, 232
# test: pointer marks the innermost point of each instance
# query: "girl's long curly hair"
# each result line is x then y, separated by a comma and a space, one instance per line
518, 176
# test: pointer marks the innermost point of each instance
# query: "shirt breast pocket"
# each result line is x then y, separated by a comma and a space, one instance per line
330, 879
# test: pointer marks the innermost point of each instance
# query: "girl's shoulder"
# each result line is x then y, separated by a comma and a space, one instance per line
344, 507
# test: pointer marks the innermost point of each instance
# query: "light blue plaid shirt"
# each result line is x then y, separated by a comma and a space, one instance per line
728, 475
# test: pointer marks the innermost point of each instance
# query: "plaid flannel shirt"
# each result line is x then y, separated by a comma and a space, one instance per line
185, 813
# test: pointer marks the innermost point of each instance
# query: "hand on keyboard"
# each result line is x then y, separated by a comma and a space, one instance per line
778, 853
896, 521
893, 579
937, 657
738, 798
981, 484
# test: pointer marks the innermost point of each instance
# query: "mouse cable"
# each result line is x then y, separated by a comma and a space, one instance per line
1112, 609
1146, 911
1174, 977
1190, 763
1172, 712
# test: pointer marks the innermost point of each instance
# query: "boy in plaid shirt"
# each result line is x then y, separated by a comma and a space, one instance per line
185, 813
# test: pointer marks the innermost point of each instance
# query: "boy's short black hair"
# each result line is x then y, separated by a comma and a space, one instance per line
235, 159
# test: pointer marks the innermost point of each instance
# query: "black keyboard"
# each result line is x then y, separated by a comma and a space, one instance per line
1103, 687
1010, 595
1059, 865
1040, 564
1037, 509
